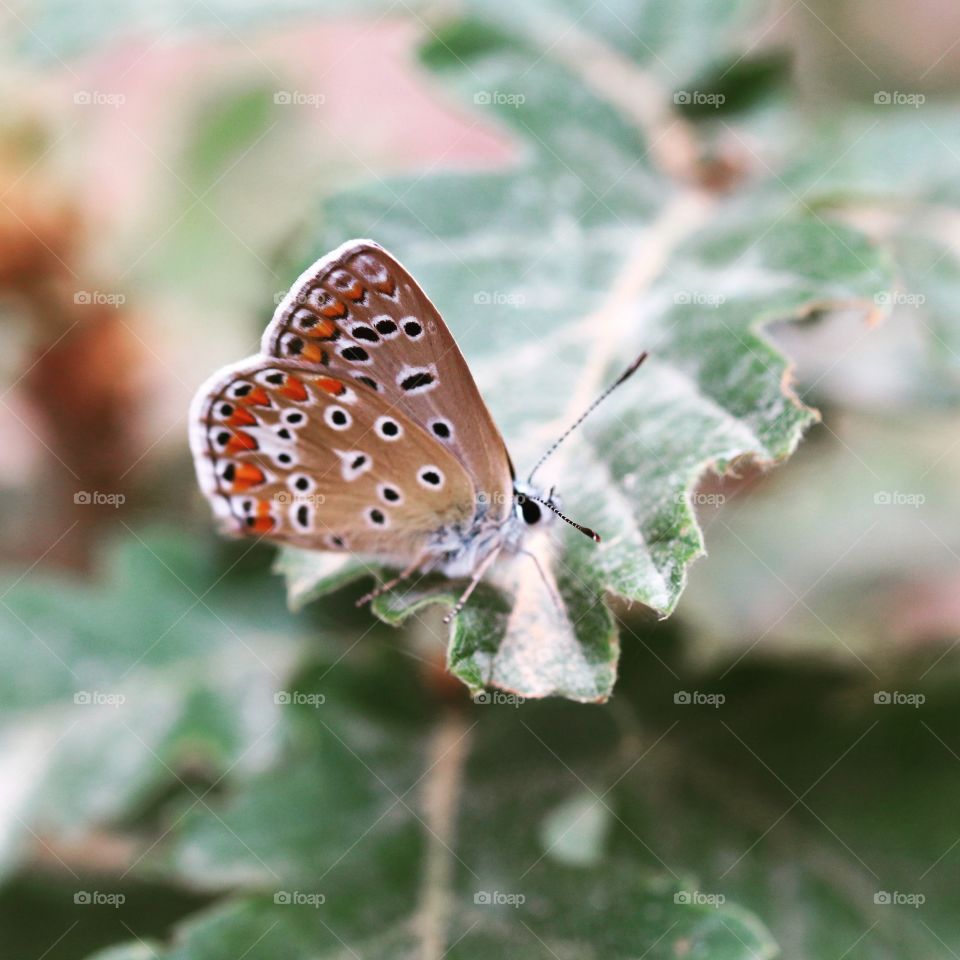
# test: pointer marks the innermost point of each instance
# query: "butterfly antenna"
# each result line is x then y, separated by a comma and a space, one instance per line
629, 372
592, 534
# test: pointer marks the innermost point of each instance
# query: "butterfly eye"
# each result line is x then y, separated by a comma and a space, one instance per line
430, 477
442, 429
412, 328
337, 418
388, 428
530, 511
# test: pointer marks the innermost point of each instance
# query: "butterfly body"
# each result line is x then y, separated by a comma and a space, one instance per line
460, 550
358, 428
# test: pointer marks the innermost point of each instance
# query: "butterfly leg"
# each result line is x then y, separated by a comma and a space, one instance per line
472, 585
547, 582
404, 574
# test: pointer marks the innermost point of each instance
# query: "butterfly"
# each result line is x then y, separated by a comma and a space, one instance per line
358, 428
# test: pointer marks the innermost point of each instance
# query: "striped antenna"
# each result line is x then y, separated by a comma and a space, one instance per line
629, 372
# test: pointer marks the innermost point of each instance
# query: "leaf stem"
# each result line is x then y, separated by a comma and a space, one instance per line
447, 752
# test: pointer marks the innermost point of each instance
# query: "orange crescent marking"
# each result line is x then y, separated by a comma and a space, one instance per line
329, 385
242, 418
257, 397
241, 441
324, 330
245, 476
262, 524
313, 353
335, 309
294, 389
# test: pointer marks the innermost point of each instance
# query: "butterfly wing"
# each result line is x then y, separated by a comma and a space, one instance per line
311, 457
359, 308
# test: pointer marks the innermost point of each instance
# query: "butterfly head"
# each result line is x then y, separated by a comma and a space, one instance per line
533, 508
528, 499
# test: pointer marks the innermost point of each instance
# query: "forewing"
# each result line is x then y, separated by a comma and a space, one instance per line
313, 458
359, 308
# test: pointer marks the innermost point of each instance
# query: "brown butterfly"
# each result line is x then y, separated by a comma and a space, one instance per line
358, 428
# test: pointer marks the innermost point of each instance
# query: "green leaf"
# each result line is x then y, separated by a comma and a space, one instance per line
689, 818
389, 836
552, 275
112, 693
772, 589
886, 153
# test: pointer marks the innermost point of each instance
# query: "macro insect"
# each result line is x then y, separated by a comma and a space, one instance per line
359, 428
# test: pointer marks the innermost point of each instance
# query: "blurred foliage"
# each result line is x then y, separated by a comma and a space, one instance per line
777, 770
553, 233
